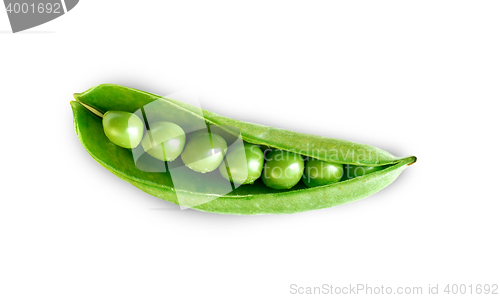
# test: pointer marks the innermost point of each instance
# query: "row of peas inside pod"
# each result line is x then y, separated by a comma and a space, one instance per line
205, 152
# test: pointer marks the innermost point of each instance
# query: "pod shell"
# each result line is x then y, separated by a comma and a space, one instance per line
114, 97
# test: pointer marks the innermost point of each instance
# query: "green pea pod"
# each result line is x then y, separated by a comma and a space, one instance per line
246, 199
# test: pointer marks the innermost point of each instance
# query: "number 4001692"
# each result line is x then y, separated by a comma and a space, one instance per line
34, 8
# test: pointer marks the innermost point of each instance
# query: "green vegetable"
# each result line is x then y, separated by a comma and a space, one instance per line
204, 152
244, 163
353, 171
283, 169
164, 140
318, 173
122, 128
210, 192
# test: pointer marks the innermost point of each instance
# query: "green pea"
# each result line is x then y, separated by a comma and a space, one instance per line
244, 164
318, 173
283, 169
353, 171
164, 140
204, 152
122, 128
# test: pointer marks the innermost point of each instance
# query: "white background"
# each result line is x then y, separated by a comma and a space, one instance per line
414, 78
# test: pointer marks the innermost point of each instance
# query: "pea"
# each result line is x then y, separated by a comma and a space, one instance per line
356, 171
318, 173
244, 164
122, 128
164, 140
204, 152
283, 169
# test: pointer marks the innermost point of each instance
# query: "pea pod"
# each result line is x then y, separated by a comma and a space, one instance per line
194, 187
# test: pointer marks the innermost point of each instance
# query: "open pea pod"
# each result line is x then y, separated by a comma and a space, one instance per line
209, 188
